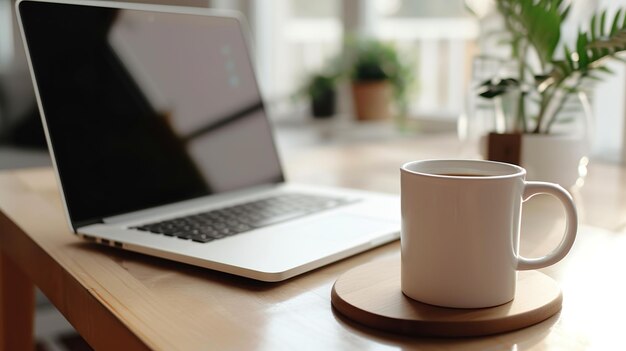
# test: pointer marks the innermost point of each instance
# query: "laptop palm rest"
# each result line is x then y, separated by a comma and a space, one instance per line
296, 243
273, 253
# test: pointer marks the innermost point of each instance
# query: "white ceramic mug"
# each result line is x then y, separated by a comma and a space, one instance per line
460, 231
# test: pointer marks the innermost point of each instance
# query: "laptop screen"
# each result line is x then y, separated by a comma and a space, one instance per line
146, 108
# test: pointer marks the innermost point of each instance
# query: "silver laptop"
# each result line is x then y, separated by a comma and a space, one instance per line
161, 143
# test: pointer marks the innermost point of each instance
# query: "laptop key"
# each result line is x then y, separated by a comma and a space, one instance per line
185, 236
202, 238
169, 232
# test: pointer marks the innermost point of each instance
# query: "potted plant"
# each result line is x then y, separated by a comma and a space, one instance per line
322, 92
531, 101
379, 78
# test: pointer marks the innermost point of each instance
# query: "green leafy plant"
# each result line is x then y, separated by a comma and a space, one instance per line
321, 90
375, 60
534, 28
320, 83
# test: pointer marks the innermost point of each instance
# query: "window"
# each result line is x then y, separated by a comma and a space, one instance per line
6, 33
293, 38
296, 37
439, 38
608, 99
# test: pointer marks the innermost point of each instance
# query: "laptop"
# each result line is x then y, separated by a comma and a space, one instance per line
161, 143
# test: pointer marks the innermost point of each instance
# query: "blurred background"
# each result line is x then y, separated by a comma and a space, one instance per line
438, 41
293, 39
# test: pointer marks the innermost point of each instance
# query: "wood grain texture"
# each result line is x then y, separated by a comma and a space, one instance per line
17, 307
126, 301
80, 304
371, 295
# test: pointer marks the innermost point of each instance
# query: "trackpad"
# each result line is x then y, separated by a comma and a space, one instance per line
307, 240
342, 228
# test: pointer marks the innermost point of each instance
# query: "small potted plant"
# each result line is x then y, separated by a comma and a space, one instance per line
322, 92
379, 78
532, 103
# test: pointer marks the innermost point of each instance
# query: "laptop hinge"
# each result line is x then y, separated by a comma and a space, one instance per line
80, 224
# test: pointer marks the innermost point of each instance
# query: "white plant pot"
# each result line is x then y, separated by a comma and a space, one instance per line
557, 159
560, 159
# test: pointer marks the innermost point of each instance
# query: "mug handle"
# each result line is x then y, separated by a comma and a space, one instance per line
571, 225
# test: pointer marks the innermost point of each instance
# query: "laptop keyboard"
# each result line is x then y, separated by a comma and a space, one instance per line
217, 224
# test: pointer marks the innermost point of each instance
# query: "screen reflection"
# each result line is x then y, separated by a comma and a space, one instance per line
146, 108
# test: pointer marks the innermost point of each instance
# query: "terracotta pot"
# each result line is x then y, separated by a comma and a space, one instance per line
372, 100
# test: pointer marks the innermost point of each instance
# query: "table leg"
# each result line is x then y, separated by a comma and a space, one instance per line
17, 307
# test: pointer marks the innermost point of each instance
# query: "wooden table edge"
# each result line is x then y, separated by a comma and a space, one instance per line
99, 327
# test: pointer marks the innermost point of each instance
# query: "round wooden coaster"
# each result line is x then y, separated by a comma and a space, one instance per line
371, 295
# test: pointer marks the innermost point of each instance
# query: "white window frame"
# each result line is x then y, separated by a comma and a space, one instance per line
6, 33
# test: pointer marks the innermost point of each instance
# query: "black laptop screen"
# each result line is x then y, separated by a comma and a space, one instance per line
146, 108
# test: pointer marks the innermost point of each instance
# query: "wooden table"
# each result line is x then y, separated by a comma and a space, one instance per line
121, 300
